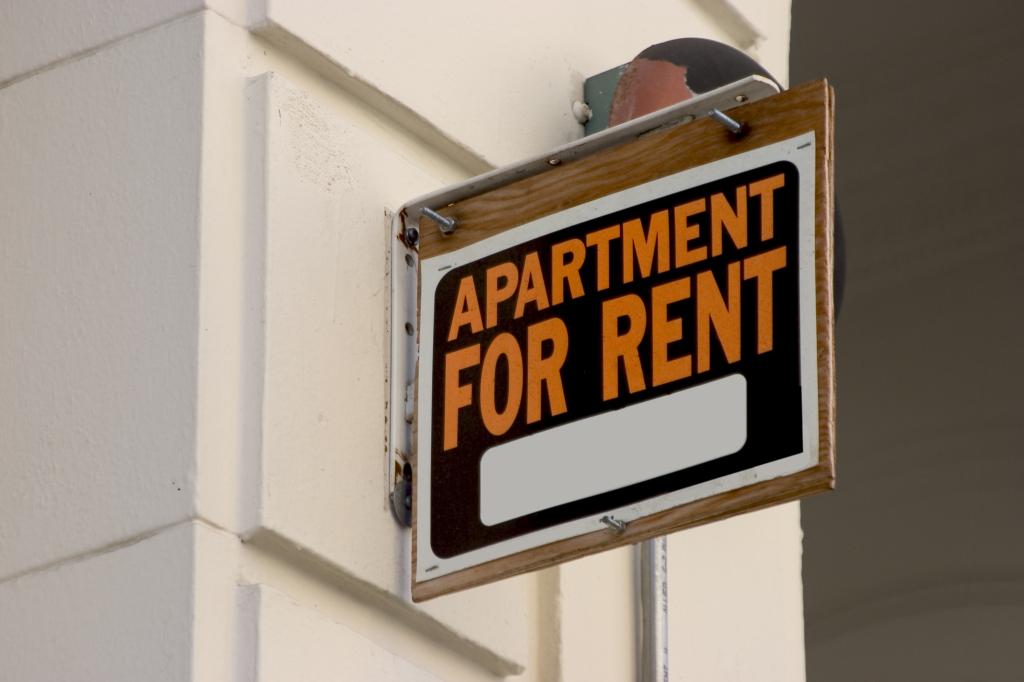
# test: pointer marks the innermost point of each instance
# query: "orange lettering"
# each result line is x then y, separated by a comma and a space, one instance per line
734, 222
456, 395
541, 371
712, 311
504, 345
600, 241
531, 286
686, 233
644, 247
624, 346
566, 272
665, 330
497, 293
766, 190
467, 309
761, 267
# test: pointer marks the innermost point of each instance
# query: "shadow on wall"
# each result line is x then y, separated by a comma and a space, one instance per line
914, 567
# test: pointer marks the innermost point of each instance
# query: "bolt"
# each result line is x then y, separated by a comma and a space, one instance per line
582, 111
446, 225
617, 525
730, 124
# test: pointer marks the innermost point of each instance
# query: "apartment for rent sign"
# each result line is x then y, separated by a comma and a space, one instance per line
618, 358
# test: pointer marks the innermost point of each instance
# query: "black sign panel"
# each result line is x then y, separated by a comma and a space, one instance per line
649, 300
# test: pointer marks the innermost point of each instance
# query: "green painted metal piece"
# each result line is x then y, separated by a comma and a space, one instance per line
598, 91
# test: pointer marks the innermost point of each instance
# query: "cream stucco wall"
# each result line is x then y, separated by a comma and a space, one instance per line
192, 266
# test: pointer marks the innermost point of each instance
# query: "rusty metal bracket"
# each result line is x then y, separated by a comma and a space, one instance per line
403, 263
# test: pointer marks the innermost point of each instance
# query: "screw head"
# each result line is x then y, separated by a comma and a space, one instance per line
412, 236
582, 111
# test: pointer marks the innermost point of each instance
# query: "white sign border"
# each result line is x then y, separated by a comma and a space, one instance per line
800, 151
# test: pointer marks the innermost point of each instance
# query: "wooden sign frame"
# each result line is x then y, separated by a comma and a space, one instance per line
803, 109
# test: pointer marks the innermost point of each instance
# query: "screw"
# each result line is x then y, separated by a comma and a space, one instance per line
733, 126
447, 225
617, 525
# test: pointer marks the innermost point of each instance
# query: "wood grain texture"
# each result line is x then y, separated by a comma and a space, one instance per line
806, 108
652, 156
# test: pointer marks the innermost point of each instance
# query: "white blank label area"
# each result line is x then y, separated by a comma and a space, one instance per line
614, 449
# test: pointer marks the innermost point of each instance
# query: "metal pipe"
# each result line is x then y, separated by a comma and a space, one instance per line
654, 610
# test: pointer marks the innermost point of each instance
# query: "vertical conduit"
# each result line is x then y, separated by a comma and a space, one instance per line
653, 615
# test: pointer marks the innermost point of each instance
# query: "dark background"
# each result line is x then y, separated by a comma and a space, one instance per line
914, 567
